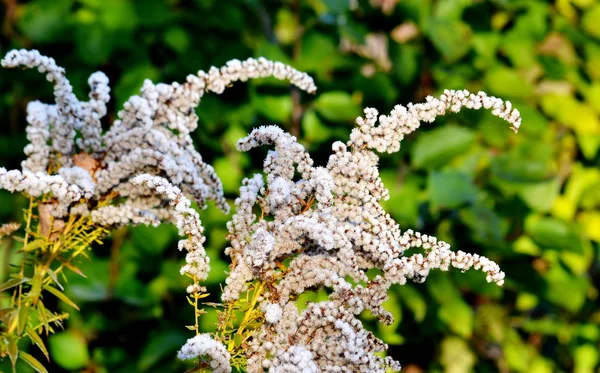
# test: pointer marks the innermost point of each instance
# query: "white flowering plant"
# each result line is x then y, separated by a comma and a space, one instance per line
295, 229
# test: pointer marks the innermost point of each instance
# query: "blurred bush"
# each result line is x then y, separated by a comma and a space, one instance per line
530, 201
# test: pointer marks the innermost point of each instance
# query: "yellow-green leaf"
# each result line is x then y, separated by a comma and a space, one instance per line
35, 338
57, 293
54, 278
13, 282
23, 316
43, 316
33, 362
35, 244
72, 267
13, 352
36, 286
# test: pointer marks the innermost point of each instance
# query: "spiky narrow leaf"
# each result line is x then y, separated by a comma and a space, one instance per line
52, 275
23, 316
72, 267
42, 312
36, 286
35, 244
33, 362
13, 282
35, 338
61, 296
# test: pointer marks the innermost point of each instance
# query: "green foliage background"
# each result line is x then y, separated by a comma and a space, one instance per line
530, 201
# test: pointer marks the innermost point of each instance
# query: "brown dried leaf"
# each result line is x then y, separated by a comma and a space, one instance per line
87, 162
57, 228
46, 218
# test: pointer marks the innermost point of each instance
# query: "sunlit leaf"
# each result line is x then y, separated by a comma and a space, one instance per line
57, 293
35, 338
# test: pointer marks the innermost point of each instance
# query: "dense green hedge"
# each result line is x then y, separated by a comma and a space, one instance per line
530, 201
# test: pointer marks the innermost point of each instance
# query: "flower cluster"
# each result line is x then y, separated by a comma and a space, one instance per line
143, 170
319, 227
71, 162
204, 345
326, 229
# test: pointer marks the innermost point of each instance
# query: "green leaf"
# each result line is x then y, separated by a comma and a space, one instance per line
94, 44
540, 196
531, 161
52, 275
506, 82
553, 233
9, 284
565, 289
485, 224
275, 108
230, 174
117, 15
586, 356
441, 288
152, 240
72, 267
69, 350
458, 317
44, 21
161, 344
413, 300
441, 145
177, 38
591, 21
456, 356
320, 54
407, 63
57, 293
13, 351
33, 362
389, 333
452, 38
337, 106
314, 130
336, 6
131, 81
286, 27
35, 338
23, 316
43, 315
450, 189
35, 244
